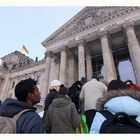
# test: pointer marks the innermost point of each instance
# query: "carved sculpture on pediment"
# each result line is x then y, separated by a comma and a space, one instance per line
88, 18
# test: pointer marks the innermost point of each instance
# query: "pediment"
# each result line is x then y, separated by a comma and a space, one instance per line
87, 18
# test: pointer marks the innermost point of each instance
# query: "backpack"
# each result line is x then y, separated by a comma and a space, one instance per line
8, 124
119, 123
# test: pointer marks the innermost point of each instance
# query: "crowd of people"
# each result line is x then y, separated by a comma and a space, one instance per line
64, 106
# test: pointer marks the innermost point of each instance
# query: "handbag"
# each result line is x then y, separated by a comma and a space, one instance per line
83, 128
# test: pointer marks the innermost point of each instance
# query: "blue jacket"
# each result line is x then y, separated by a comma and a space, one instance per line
123, 103
28, 122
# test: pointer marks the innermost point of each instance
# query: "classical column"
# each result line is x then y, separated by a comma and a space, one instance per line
72, 68
54, 69
88, 64
62, 73
46, 76
81, 60
134, 48
107, 57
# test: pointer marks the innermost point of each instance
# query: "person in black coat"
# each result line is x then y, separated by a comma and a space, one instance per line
55, 85
74, 92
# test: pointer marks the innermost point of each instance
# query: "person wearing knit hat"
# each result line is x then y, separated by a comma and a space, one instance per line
54, 88
83, 80
55, 84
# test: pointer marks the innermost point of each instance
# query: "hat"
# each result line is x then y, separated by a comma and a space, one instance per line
83, 79
55, 83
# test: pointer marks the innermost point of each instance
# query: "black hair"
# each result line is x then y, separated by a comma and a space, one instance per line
94, 76
23, 88
63, 91
61, 86
116, 85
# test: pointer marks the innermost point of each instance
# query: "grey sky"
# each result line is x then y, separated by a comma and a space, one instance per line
30, 26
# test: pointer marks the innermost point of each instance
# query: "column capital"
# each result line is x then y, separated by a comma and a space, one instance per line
83, 42
55, 56
64, 48
48, 54
102, 33
129, 25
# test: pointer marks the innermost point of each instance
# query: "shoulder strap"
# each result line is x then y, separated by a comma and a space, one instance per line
106, 114
20, 113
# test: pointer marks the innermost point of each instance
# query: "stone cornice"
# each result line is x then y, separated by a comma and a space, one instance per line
26, 75
33, 64
74, 30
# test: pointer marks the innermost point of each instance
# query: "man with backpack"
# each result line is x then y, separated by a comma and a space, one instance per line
18, 115
118, 112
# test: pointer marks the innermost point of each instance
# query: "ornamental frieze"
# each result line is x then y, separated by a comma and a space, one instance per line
88, 18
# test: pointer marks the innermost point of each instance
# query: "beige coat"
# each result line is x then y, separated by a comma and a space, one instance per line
90, 93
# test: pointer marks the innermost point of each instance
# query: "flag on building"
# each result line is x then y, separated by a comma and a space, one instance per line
24, 49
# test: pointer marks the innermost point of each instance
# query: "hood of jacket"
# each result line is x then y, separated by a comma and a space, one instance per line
61, 101
120, 101
11, 107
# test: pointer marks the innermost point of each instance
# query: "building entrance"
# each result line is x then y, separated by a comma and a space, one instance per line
122, 64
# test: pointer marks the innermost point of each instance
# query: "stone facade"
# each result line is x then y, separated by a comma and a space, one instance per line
94, 39
16, 67
97, 31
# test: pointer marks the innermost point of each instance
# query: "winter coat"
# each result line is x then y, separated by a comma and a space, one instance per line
90, 92
74, 92
62, 116
52, 95
28, 122
116, 101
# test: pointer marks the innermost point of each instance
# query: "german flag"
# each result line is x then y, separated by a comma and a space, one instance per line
25, 50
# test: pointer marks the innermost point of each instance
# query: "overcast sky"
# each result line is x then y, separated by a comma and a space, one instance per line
30, 26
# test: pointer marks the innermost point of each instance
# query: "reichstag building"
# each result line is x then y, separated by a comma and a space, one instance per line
97, 40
